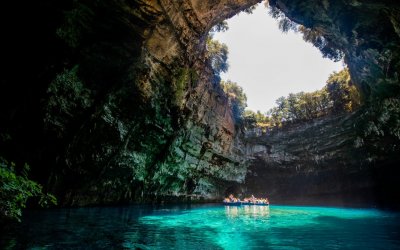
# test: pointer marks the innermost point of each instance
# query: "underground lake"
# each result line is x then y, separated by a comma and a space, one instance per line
207, 226
110, 106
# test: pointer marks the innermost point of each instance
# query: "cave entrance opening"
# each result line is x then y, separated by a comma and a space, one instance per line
269, 58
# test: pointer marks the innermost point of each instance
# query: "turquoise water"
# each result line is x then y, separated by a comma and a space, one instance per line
207, 227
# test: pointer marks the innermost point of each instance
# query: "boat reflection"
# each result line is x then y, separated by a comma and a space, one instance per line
251, 210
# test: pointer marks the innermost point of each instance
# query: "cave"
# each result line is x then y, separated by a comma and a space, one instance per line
113, 102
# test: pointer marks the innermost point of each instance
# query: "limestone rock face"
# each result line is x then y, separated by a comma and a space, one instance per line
113, 101
319, 162
325, 140
370, 47
183, 144
128, 108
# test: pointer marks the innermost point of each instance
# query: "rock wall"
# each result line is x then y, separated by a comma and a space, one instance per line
183, 144
113, 101
340, 160
319, 162
125, 108
346, 28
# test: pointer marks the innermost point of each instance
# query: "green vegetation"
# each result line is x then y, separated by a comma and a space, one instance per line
16, 189
339, 95
250, 9
220, 27
326, 46
237, 98
68, 97
223, 26
77, 24
342, 92
217, 55
378, 129
256, 119
300, 107
184, 77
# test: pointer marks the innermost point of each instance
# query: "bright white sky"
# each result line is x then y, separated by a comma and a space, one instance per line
269, 64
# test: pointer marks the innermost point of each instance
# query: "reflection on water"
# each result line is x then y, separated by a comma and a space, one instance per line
206, 227
254, 211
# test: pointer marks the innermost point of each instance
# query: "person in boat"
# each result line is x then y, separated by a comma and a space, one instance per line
231, 199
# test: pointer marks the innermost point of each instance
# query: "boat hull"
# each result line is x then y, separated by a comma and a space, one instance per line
254, 204
232, 203
244, 204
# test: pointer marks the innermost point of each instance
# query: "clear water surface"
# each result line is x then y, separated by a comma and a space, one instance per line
207, 227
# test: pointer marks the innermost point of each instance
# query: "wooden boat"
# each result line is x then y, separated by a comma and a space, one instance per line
242, 203
238, 203
254, 204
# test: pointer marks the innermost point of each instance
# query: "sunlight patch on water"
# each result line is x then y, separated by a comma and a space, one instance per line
251, 226
208, 226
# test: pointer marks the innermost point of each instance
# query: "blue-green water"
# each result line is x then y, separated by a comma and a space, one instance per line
208, 227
